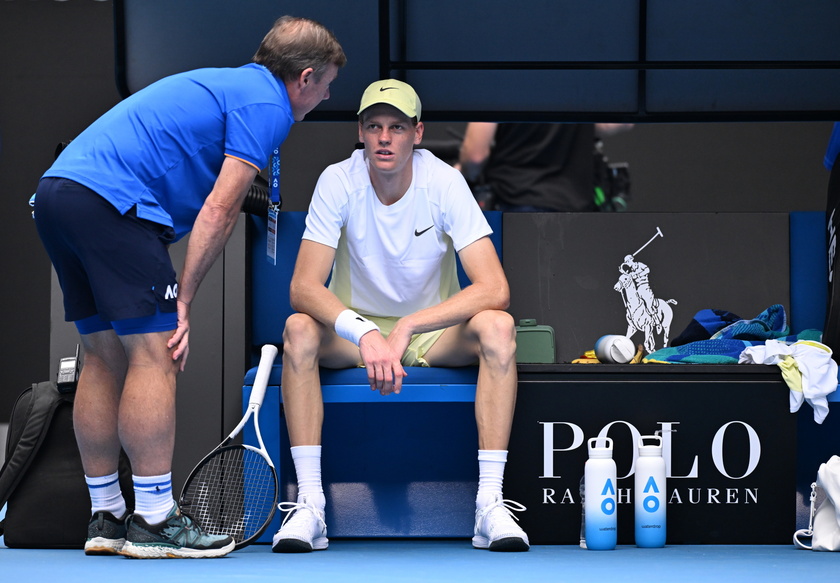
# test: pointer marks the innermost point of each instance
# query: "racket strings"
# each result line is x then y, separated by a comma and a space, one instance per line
233, 493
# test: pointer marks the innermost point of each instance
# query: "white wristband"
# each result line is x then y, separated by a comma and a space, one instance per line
351, 326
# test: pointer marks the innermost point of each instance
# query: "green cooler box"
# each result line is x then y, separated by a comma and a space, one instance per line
534, 343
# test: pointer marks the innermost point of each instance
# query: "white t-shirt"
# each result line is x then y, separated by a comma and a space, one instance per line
394, 260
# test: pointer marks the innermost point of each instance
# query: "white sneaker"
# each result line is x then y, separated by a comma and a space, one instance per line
496, 529
303, 530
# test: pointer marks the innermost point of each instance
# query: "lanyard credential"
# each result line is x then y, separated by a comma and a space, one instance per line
274, 205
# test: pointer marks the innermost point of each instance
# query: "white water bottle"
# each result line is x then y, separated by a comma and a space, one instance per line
649, 494
601, 498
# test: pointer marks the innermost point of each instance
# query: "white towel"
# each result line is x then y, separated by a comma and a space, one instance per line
807, 368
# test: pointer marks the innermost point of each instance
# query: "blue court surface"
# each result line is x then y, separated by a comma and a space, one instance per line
423, 560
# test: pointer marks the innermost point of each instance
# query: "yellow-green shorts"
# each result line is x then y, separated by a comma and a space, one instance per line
417, 348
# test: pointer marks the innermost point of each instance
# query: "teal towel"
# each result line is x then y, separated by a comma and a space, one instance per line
710, 351
718, 350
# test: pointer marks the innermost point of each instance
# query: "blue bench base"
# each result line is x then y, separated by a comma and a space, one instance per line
397, 466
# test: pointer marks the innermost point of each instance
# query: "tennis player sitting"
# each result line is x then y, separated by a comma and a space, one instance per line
387, 222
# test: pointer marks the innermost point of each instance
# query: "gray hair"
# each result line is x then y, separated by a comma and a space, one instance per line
294, 44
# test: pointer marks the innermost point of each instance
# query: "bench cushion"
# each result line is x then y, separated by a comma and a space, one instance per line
421, 385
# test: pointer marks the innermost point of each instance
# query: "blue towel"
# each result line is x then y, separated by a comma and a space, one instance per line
704, 324
718, 350
771, 323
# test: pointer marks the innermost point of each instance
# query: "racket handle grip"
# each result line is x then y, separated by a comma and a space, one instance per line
267, 356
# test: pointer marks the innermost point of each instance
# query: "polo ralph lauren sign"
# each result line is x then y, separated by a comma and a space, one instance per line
729, 445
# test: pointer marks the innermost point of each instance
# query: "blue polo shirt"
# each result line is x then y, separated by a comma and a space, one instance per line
162, 148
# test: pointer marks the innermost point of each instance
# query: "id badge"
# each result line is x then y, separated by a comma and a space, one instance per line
271, 240
274, 207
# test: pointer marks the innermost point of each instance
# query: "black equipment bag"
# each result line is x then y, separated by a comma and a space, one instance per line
42, 479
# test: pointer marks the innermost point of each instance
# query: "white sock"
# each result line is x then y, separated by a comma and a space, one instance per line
153, 497
307, 460
105, 495
491, 472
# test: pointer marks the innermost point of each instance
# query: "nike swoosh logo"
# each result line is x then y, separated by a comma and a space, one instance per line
418, 233
386, 88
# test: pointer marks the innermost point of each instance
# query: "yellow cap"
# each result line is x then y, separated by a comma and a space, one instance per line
392, 92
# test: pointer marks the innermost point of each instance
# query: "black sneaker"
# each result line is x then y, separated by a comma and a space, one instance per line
105, 534
177, 537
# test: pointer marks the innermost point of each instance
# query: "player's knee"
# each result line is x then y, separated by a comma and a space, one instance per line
496, 331
497, 323
301, 336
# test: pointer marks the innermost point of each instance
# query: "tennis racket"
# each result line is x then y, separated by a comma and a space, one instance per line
233, 490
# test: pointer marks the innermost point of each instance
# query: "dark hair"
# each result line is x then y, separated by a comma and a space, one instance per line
294, 44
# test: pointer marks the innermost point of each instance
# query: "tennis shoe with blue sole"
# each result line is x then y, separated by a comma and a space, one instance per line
177, 537
303, 530
496, 528
105, 534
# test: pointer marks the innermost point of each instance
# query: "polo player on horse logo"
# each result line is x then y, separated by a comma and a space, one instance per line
644, 312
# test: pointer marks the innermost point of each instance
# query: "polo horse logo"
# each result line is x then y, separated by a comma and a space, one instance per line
644, 311
652, 323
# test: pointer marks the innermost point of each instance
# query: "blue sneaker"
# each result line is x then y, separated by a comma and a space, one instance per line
105, 534
177, 537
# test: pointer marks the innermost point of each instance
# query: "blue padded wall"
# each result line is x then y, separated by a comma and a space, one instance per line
808, 271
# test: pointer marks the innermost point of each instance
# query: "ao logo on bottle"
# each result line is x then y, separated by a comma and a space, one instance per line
608, 505
651, 503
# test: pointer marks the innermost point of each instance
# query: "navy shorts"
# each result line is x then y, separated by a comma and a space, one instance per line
114, 270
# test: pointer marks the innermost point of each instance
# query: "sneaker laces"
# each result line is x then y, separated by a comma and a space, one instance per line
507, 506
292, 509
184, 530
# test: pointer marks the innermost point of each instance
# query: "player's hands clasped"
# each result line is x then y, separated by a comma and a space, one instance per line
382, 362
